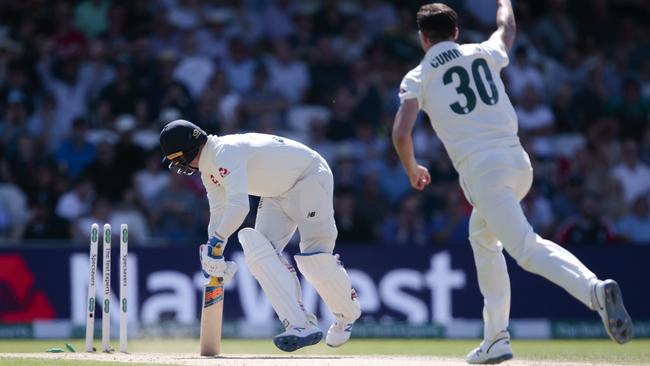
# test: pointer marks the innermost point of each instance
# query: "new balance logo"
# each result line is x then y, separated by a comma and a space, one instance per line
312, 214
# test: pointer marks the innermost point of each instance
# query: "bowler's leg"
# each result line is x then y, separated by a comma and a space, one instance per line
492, 273
499, 204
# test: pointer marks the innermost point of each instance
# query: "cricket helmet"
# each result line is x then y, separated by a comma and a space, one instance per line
180, 142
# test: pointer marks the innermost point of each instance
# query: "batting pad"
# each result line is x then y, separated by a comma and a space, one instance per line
275, 275
331, 281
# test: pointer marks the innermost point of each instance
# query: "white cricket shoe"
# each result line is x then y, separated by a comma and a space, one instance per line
492, 351
294, 338
608, 301
339, 332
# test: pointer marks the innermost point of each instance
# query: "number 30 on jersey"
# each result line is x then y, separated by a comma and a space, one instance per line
466, 90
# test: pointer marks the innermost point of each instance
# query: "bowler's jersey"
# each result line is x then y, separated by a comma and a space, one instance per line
234, 166
460, 89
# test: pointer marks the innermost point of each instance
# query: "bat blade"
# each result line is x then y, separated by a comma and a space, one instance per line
212, 315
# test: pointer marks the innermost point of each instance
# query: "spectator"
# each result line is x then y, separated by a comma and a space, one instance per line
394, 182
635, 226
591, 99
346, 167
23, 162
379, 16
327, 71
342, 127
101, 213
45, 225
373, 207
104, 173
68, 43
151, 180
14, 123
330, 20
645, 147
127, 212
368, 147
183, 14
632, 174
408, 227
287, 75
45, 122
239, 66
120, 96
219, 106
160, 60
304, 39
14, 215
167, 92
91, 17
96, 72
163, 37
143, 66
193, 70
77, 201
278, 23
18, 83
69, 90
128, 153
212, 39
174, 212
588, 228
317, 139
536, 122
76, 153
555, 31
450, 226
521, 73
631, 110
264, 103
351, 224
352, 42
538, 211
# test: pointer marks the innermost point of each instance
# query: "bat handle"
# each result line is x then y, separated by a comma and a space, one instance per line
217, 251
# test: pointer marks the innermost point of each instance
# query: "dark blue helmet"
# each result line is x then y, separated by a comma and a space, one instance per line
180, 142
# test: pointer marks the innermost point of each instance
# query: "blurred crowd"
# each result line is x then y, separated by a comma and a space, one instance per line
85, 87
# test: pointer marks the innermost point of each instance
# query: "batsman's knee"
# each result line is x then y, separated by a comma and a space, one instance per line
255, 245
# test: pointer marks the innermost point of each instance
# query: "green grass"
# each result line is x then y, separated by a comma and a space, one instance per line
599, 351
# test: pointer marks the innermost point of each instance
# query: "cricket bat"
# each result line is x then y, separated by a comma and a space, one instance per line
212, 314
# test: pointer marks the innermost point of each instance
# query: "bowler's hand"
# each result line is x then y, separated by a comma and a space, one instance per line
419, 177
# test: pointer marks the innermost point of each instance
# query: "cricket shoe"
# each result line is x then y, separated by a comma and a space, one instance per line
608, 301
294, 338
492, 351
339, 332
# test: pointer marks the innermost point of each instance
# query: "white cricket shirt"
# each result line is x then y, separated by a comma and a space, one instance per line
234, 166
460, 89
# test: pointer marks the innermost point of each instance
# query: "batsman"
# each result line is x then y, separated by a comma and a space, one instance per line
296, 187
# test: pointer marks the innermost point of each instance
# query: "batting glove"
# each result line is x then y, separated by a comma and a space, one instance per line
215, 265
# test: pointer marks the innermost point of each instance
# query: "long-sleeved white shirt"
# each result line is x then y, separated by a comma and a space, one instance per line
234, 166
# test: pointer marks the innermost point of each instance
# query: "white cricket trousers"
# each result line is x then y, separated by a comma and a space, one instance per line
495, 182
308, 206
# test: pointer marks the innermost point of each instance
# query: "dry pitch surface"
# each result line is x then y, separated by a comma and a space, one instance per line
357, 353
190, 359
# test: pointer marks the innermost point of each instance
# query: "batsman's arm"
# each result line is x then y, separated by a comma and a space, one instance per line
403, 142
506, 26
